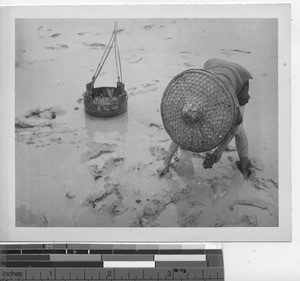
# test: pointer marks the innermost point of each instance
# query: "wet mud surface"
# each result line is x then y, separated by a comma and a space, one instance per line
76, 170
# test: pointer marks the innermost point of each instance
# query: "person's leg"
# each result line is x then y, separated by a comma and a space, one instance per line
241, 143
212, 158
172, 150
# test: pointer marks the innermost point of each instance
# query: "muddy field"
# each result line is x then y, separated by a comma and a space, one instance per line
75, 170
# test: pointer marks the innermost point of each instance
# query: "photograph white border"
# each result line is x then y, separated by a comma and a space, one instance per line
8, 231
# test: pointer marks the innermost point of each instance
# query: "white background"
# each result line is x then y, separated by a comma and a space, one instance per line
251, 261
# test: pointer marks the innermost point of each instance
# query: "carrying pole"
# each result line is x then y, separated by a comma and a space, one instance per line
112, 43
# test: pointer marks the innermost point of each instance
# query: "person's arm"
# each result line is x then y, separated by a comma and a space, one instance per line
172, 150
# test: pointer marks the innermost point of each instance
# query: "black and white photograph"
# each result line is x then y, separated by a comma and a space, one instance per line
168, 123
146, 122
169, 120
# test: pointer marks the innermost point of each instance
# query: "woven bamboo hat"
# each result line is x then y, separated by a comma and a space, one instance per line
197, 110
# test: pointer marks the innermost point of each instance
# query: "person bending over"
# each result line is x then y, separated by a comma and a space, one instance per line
236, 79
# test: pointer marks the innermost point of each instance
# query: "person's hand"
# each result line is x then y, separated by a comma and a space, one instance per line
244, 167
163, 170
211, 159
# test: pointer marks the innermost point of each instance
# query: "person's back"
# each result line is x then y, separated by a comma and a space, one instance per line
234, 76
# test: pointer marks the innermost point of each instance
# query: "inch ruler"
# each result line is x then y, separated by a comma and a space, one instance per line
137, 262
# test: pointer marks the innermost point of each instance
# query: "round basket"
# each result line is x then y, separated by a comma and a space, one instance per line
197, 110
105, 101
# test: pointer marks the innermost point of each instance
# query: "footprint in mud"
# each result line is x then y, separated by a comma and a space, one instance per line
109, 202
95, 172
69, 195
94, 45
155, 125
218, 188
192, 217
57, 47
55, 35
153, 209
218, 193
148, 27
147, 85
140, 59
158, 152
112, 163
57, 140
258, 177
236, 51
138, 167
108, 166
48, 60
132, 89
30, 141
31, 62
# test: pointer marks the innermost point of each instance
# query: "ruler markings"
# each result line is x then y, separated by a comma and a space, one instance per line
192, 263
180, 257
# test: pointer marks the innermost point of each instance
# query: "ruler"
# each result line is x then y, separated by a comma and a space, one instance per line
111, 262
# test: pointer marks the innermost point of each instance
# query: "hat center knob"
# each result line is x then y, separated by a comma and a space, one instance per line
191, 112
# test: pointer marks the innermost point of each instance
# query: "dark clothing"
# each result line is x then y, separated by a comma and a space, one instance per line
235, 78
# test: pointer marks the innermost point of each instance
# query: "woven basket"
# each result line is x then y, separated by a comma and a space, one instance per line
197, 110
98, 102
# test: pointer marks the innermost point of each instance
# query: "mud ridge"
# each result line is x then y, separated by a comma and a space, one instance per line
96, 151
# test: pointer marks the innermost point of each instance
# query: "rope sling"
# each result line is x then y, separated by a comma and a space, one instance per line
107, 101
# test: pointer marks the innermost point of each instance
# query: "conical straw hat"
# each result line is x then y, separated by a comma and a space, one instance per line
197, 110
